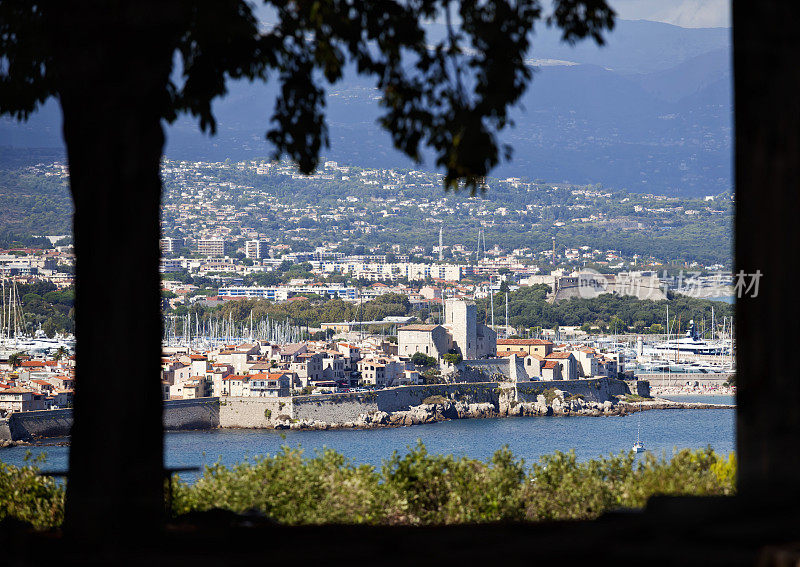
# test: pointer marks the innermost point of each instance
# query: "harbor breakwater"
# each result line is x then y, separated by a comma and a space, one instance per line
684, 379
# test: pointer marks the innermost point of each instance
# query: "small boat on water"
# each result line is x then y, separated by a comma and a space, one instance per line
638, 447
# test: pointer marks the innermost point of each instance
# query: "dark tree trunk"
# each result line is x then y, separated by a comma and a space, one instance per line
114, 62
767, 83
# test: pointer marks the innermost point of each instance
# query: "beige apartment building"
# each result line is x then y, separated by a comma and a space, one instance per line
211, 247
528, 346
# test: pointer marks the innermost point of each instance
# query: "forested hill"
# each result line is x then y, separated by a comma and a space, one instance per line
33, 204
528, 308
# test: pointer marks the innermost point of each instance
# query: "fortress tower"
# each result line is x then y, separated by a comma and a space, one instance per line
460, 320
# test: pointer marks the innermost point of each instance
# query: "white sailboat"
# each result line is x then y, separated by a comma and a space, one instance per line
638, 447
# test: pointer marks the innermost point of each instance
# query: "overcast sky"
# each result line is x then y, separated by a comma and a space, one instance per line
684, 13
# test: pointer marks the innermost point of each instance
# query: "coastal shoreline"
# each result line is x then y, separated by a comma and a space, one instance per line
448, 410
396, 407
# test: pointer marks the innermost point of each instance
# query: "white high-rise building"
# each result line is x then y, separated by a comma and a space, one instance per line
170, 245
211, 247
256, 249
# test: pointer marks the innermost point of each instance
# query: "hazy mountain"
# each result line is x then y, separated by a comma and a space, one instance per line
650, 112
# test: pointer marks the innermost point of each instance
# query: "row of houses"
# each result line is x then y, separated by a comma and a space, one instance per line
37, 385
544, 360
263, 369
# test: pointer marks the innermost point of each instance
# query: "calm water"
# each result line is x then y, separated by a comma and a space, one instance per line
528, 437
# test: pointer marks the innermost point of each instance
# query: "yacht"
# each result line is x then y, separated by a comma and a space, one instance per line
691, 343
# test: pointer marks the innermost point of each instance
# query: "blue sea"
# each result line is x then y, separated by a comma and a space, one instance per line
662, 432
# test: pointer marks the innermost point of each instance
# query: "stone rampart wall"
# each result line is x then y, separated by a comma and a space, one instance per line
202, 413
592, 390
256, 413
209, 413
335, 408
342, 408
639, 387
485, 370
404, 397
28, 425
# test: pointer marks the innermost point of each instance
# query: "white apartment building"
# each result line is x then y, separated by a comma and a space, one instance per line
211, 247
282, 293
171, 245
256, 249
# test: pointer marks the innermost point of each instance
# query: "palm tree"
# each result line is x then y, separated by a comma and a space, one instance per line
60, 353
15, 359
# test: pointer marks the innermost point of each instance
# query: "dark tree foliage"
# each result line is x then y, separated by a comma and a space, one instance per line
452, 94
529, 307
110, 63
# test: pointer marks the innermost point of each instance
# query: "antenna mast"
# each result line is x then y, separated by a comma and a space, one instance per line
491, 297
506, 314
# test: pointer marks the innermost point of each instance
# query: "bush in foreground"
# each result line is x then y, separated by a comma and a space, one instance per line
420, 488
414, 488
27, 496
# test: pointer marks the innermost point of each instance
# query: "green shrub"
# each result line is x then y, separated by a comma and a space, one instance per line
415, 488
327, 488
30, 497
437, 489
423, 360
453, 358
633, 398
549, 395
561, 488
419, 488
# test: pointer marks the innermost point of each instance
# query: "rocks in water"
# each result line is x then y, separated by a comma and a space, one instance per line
10, 443
553, 402
431, 413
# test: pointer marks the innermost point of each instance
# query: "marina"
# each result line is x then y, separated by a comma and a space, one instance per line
15, 331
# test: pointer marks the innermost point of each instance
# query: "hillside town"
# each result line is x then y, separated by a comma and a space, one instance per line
259, 231
460, 350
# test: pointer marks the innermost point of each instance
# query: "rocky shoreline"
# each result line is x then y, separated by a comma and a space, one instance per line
446, 410
5, 443
555, 403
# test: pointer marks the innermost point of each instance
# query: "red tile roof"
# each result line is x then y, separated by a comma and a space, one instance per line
418, 328
510, 352
559, 355
523, 342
